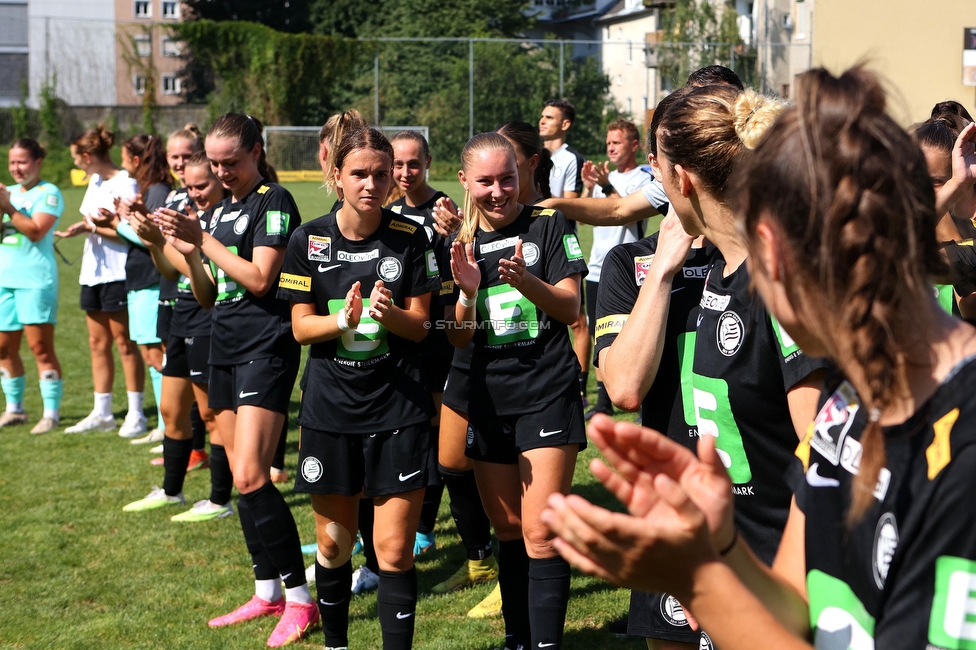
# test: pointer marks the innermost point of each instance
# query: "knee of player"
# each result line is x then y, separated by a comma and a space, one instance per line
248, 477
538, 539
507, 529
335, 545
395, 551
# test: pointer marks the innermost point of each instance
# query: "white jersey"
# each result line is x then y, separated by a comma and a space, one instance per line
654, 193
567, 172
104, 260
606, 237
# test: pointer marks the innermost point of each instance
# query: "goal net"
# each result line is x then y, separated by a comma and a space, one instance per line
294, 150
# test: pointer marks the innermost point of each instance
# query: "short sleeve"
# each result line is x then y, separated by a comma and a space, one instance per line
573, 178
654, 193
51, 202
564, 257
156, 196
448, 294
295, 283
425, 276
277, 219
796, 365
616, 298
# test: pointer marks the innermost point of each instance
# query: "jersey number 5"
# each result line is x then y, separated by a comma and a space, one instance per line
366, 341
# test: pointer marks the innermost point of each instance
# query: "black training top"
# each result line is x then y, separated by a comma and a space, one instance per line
140, 271
522, 358
624, 270
247, 327
189, 317
368, 380
743, 368
905, 575
179, 201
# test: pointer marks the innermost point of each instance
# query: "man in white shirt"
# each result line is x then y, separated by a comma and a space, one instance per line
567, 164
623, 142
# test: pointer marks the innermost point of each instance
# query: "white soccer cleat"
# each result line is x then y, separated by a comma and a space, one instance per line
134, 425
93, 422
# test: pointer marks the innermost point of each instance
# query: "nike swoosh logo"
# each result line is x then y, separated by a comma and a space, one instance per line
323, 269
697, 324
547, 645
196, 374
243, 394
328, 604
285, 577
815, 480
410, 475
545, 434
674, 291
401, 615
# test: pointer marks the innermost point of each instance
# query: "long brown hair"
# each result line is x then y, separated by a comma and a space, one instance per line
247, 131
153, 167
849, 193
96, 142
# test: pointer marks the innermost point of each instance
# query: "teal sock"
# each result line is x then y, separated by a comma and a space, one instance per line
52, 388
13, 390
156, 378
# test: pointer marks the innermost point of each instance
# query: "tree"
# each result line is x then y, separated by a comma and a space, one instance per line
699, 33
281, 15
144, 65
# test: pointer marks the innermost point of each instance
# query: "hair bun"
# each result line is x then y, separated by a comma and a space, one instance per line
193, 128
105, 137
753, 114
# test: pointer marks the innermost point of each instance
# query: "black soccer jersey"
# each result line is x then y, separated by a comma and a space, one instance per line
905, 575
743, 367
140, 271
245, 326
522, 358
180, 201
368, 380
624, 270
189, 317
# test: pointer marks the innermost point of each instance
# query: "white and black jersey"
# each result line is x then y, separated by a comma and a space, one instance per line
566, 174
368, 380
624, 270
522, 358
436, 349
904, 576
178, 200
744, 365
247, 327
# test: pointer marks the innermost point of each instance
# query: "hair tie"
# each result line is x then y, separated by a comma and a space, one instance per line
874, 414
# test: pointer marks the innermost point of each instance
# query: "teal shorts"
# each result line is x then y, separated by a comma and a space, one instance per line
19, 307
143, 309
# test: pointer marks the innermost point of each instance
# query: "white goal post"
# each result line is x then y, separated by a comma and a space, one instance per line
294, 150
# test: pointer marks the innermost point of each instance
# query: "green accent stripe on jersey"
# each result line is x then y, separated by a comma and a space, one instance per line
835, 610
945, 296
952, 623
787, 345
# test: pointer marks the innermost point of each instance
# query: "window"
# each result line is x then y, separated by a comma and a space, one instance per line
171, 47
630, 105
171, 10
143, 45
143, 9
630, 52
139, 83
171, 85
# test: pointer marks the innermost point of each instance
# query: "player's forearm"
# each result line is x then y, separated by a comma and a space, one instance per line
633, 359
315, 328
177, 260
559, 302
201, 284
610, 211
246, 273
460, 321
406, 323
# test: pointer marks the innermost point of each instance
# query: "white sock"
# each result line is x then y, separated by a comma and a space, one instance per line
299, 595
15, 407
135, 402
103, 405
54, 414
269, 590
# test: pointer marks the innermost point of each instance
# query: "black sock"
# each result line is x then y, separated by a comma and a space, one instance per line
603, 401
584, 377
199, 429
396, 605
548, 596
278, 462
513, 580
432, 503
221, 479
366, 512
279, 534
468, 512
260, 562
176, 455
332, 587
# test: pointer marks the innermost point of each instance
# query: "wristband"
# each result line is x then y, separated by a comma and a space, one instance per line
607, 189
728, 549
342, 322
465, 301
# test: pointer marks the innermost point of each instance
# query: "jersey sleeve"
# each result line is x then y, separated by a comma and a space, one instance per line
796, 365
616, 298
425, 276
572, 176
51, 201
933, 585
654, 193
295, 283
277, 218
564, 257
448, 294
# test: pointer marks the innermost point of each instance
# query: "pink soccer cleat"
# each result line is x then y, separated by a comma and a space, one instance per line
254, 608
295, 623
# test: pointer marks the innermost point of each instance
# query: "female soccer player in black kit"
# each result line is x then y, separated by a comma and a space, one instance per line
360, 281
253, 358
838, 214
517, 283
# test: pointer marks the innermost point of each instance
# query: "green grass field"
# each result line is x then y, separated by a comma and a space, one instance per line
76, 572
